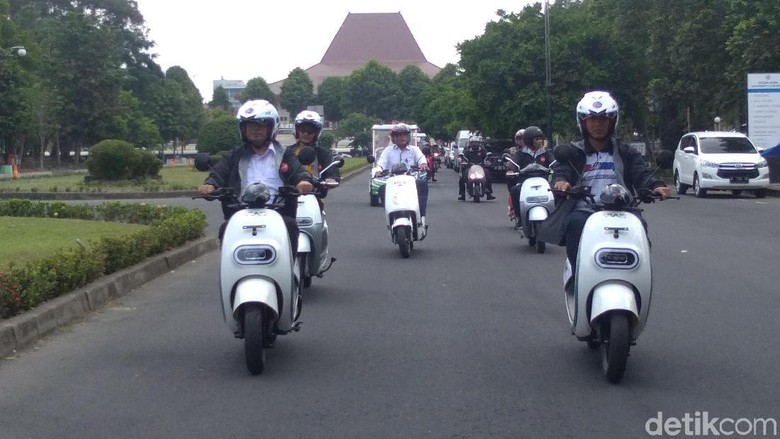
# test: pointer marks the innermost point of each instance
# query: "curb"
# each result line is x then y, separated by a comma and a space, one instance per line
24, 330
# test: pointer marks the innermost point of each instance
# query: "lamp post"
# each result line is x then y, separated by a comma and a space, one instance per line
19, 51
548, 72
717, 123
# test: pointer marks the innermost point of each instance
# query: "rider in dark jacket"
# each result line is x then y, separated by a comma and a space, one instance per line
533, 152
475, 153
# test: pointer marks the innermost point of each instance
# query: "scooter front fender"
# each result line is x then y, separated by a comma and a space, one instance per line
401, 221
611, 296
304, 243
256, 290
537, 213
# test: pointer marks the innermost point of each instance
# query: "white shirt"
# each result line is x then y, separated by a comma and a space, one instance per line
262, 169
391, 155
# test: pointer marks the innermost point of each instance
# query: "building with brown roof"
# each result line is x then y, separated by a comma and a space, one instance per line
384, 37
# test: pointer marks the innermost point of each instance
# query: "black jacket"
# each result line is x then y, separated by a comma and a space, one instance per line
630, 167
524, 159
475, 156
232, 168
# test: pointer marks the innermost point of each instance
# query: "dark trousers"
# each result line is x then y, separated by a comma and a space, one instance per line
573, 225
514, 195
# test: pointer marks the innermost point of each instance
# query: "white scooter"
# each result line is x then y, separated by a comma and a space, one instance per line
260, 280
313, 238
609, 299
536, 201
402, 207
476, 179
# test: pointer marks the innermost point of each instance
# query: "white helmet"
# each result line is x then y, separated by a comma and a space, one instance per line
258, 111
311, 118
597, 103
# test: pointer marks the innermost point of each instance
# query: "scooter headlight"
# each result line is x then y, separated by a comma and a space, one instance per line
617, 258
304, 221
254, 254
537, 199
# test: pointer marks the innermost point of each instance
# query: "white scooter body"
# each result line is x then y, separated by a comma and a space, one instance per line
402, 207
257, 266
536, 203
614, 273
313, 238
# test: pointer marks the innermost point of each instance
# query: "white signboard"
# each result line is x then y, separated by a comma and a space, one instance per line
763, 95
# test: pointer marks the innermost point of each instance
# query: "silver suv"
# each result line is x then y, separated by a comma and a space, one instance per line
719, 160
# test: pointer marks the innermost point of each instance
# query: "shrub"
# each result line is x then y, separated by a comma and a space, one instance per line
114, 160
221, 134
26, 287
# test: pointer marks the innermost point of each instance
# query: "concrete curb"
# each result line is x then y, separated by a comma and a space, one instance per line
26, 329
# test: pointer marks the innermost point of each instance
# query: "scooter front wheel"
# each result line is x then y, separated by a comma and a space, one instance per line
404, 241
254, 337
615, 339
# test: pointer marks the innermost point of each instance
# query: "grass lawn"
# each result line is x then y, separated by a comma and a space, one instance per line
174, 178
27, 239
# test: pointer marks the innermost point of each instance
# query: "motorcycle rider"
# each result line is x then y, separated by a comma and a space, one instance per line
426, 150
600, 161
533, 152
400, 151
308, 125
260, 159
475, 154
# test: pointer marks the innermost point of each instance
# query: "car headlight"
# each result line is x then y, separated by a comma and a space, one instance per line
708, 164
762, 164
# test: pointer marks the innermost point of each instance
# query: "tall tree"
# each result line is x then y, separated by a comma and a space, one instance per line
220, 99
297, 91
373, 90
330, 94
257, 88
411, 82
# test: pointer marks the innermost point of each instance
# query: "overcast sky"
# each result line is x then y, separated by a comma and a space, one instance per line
243, 39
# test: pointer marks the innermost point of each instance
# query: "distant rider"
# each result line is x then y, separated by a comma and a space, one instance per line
400, 151
475, 153
533, 152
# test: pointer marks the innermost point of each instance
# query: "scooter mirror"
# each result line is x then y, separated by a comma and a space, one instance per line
202, 161
339, 161
664, 159
370, 159
505, 157
307, 155
565, 153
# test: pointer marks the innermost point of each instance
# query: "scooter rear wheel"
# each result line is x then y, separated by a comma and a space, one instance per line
404, 241
615, 339
254, 337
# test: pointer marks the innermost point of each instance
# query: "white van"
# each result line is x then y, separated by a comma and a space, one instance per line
460, 144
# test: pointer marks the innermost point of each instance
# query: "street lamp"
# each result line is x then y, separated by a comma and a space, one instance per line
547, 70
18, 50
717, 123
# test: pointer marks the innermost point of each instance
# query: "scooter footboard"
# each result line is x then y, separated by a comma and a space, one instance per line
611, 296
256, 290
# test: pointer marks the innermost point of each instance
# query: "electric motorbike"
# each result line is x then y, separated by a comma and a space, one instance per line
260, 280
313, 237
536, 201
476, 180
402, 207
608, 298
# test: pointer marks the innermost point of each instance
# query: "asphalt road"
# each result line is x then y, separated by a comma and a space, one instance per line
467, 338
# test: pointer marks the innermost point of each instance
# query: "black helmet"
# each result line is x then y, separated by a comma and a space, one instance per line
531, 133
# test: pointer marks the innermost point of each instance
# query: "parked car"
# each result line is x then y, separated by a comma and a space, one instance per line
494, 164
719, 160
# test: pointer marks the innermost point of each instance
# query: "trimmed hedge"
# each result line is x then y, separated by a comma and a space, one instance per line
25, 287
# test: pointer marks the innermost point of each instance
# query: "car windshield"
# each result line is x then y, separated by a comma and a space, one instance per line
726, 145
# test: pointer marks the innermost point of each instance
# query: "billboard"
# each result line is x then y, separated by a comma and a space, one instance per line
763, 98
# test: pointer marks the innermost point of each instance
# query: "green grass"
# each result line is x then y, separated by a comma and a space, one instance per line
28, 239
174, 178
